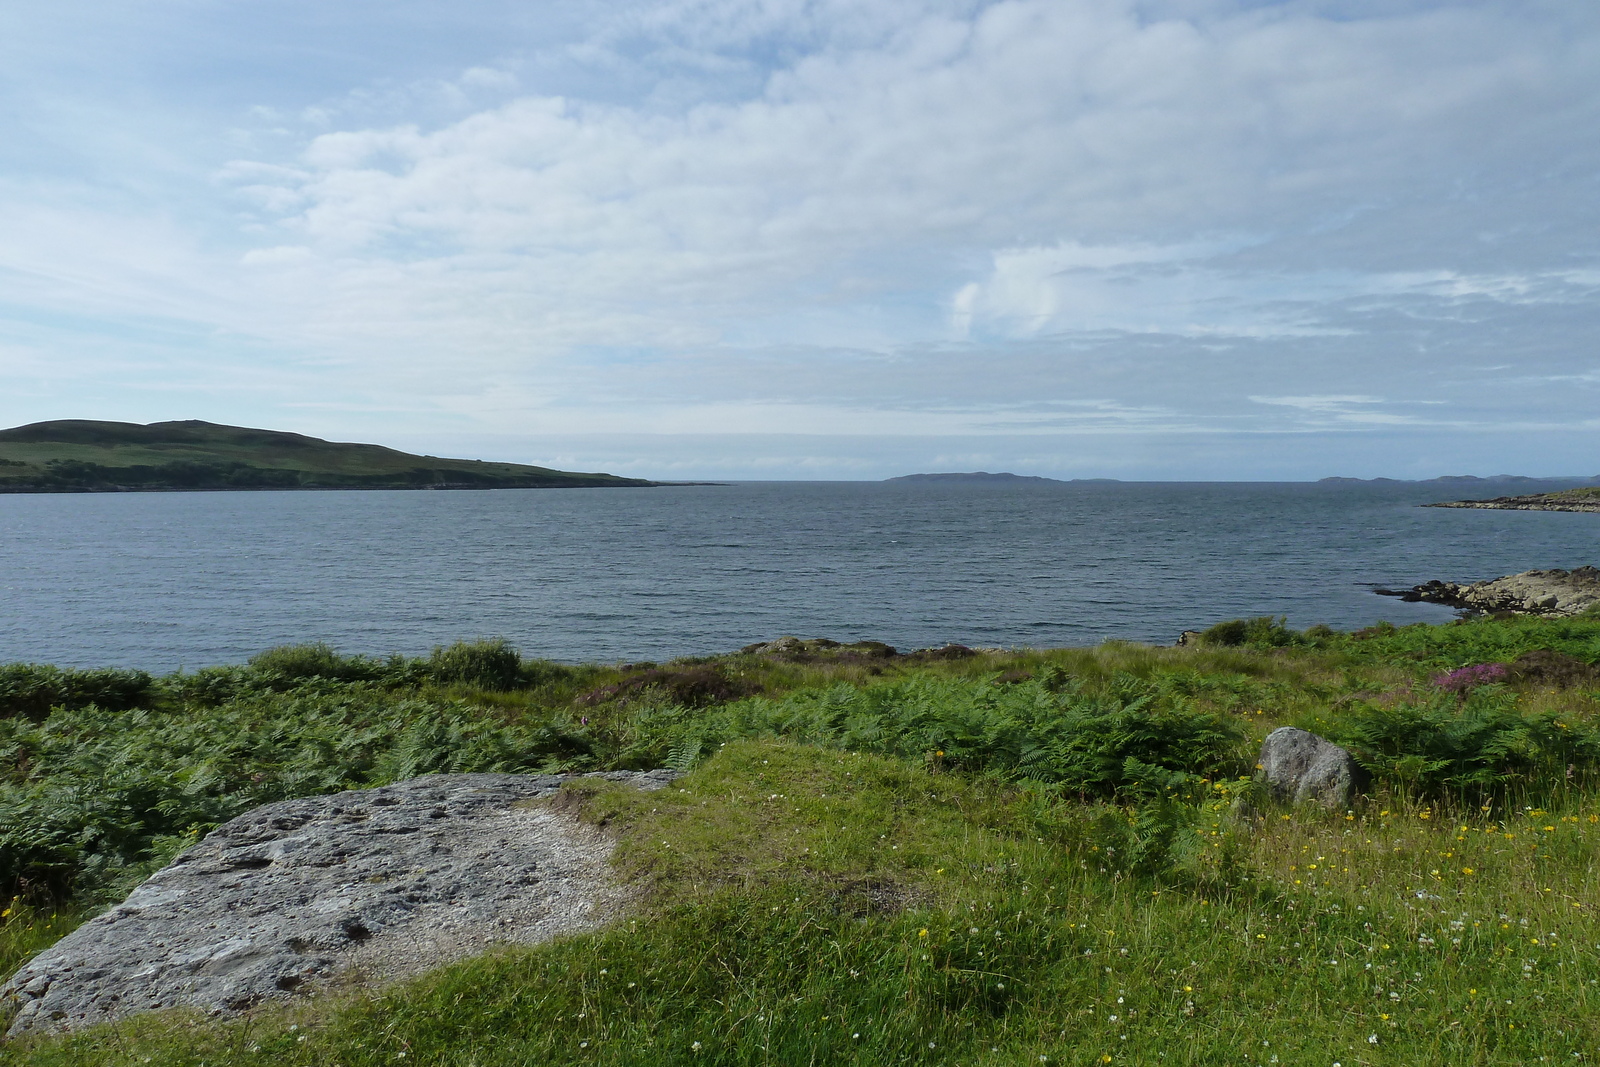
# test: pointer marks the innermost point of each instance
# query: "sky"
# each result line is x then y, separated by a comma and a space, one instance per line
1153, 239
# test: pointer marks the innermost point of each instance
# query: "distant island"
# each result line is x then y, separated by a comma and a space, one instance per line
80, 455
986, 477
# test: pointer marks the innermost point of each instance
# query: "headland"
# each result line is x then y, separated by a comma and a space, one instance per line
1586, 498
85, 456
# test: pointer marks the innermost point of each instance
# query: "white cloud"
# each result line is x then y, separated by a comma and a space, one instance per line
899, 161
1317, 403
1323, 411
1070, 287
956, 215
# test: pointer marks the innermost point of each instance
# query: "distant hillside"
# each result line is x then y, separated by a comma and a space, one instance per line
975, 476
78, 455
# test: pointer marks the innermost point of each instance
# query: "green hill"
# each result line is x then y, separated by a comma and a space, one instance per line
80, 455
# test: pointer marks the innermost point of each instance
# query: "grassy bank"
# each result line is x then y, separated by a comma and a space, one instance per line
943, 858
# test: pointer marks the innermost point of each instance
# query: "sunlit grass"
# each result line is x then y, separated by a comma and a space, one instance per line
869, 898
809, 906
26, 930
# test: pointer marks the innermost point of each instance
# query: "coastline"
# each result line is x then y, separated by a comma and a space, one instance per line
1584, 498
1518, 503
629, 483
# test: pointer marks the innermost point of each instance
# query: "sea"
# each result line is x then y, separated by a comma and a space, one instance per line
168, 581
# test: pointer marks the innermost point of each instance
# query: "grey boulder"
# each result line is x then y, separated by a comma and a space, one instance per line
380, 883
1299, 767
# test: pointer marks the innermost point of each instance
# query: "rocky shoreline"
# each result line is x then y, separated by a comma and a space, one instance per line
1550, 593
1566, 500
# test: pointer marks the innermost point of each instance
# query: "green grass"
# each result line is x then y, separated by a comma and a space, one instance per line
1589, 494
947, 921
836, 880
1464, 643
27, 930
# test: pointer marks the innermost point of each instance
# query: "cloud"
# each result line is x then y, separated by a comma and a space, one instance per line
972, 218
1031, 291
1323, 412
1317, 403
887, 168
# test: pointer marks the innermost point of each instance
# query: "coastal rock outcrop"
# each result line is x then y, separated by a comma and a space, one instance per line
1552, 592
817, 648
386, 882
1299, 767
1585, 499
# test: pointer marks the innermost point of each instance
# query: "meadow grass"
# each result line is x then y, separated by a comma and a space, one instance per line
836, 880
806, 906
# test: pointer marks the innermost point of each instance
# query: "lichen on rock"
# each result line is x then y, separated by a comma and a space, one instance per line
385, 882
1299, 767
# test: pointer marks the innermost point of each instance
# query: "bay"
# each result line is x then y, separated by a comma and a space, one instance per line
167, 580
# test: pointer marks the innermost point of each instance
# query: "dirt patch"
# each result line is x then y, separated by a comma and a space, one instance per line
864, 898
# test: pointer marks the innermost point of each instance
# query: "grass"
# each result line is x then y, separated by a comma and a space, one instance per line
1589, 494
811, 894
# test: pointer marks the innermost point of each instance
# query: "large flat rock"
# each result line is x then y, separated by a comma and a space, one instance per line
384, 882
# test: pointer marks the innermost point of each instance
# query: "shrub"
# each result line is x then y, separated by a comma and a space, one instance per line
537, 672
210, 686
1477, 640
482, 664
1168, 839
1557, 669
1465, 679
1047, 730
315, 660
90, 795
1262, 632
1474, 750
30, 690
693, 687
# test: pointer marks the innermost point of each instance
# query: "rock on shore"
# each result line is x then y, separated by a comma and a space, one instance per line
387, 882
1553, 592
1585, 499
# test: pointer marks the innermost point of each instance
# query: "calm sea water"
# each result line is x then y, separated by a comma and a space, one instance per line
163, 580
